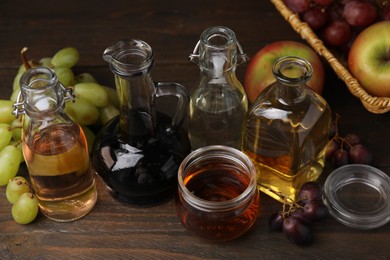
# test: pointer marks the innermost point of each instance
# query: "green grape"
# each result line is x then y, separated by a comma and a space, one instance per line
6, 109
90, 136
113, 96
16, 85
92, 92
107, 113
16, 187
25, 209
10, 158
65, 75
5, 135
14, 95
18, 144
66, 57
82, 112
46, 62
85, 78
16, 127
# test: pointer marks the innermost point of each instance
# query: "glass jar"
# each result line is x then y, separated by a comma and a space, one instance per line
287, 129
54, 148
138, 153
218, 198
219, 103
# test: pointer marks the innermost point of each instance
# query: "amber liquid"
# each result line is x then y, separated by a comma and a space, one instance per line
58, 162
287, 151
218, 183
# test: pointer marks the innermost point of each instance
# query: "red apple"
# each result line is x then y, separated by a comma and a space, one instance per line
369, 59
259, 71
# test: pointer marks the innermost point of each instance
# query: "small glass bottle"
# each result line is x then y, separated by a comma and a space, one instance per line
54, 148
138, 153
218, 198
219, 103
287, 129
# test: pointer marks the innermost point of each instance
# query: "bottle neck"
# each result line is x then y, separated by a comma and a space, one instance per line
137, 112
42, 94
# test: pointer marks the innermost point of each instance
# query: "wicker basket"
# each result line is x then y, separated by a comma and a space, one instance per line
377, 105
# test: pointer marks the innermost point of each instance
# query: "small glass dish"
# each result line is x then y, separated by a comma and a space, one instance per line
358, 196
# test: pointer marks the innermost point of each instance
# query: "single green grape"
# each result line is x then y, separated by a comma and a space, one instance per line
65, 75
16, 84
66, 57
16, 128
46, 62
107, 113
85, 78
14, 95
82, 112
25, 209
89, 136
5, 135
16, 187
92, 92
10, 158
113, 96
6, 109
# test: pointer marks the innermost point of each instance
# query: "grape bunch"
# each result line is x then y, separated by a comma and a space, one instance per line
295, 218
95, 104
338, 22
342, 150
24, 202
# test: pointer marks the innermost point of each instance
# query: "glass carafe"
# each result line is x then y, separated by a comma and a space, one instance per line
138, 153
287, 129
54, 148
218, 104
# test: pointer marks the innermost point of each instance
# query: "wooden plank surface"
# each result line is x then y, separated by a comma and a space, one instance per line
120, 231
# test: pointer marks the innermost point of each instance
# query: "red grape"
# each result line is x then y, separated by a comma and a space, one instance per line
337, 33
275, 222
298, 6
299, 214
315, 17
386, 13
340, 157
297, 232
323, 2
352, 139
315, 210
360, 154
310, 191
359, 13
331, 147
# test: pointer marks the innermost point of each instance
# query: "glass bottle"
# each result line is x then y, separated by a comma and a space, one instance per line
54, 148
139, 152
286, 130
219, 103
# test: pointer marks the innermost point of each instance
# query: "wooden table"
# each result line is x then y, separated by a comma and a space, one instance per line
119, 231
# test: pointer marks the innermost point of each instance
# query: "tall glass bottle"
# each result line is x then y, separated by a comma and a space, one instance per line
139, 152
286, 130
54, 148
219, 103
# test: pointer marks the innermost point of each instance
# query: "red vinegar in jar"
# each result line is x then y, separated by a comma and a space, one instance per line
218, 198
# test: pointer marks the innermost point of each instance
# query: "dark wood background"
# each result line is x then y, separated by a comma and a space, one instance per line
172, 27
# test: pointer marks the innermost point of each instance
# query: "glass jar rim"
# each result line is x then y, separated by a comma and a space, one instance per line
347, 207
211, 33
235, 157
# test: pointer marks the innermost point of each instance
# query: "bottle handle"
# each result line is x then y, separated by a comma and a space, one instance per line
179, 91
241, 57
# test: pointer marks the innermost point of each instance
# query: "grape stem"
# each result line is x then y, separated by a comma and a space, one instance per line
337, 136
25, 62
289, 205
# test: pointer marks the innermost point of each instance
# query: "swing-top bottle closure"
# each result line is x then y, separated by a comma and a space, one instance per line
208, 40
41, 80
